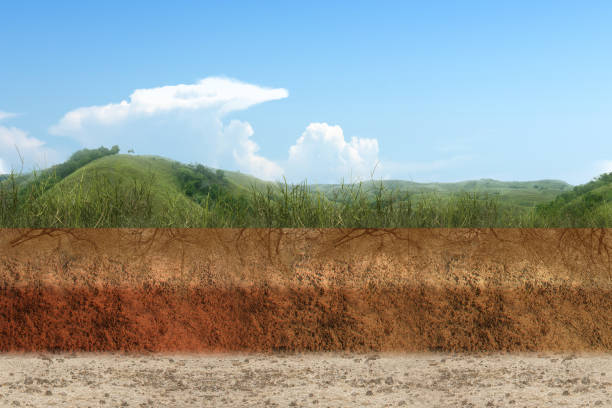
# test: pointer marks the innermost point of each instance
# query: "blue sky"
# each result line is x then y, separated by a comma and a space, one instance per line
431, 91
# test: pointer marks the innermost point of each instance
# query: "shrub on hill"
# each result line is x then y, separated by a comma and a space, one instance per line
199, 182
80, 159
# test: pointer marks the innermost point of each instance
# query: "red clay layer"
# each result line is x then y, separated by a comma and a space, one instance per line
256, 319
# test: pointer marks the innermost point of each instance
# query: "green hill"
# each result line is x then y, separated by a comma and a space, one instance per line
589, 204
113, 190
144, 182
101, 188
512, 193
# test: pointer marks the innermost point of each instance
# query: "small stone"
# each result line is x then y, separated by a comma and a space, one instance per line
566, 392
585, 380
28, 381
389, 381
48, 392
369, 392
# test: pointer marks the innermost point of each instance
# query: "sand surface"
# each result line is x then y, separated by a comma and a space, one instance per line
323, 380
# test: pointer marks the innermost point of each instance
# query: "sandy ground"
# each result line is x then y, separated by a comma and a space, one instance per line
325, 380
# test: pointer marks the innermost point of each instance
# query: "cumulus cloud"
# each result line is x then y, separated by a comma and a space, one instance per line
188, 123
245, 152
323, 154
220, 95
14, 143
183, 122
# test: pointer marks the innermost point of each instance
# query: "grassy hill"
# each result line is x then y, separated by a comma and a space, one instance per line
121, 188
101, 188
107, 191
587, 204
245, 183
519, 193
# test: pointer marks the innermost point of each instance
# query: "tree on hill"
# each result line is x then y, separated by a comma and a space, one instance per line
81, 158
580, 204
199, 182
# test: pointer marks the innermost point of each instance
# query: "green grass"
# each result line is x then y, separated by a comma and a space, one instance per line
149, 191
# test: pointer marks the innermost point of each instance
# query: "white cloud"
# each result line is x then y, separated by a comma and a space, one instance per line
6, 115
220, 95
15, 142
322, 154
187, 123
182, 122
245, 152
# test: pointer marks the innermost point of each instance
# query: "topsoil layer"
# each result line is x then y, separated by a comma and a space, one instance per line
171, 290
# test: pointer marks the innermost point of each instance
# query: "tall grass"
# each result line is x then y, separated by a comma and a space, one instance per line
97, 202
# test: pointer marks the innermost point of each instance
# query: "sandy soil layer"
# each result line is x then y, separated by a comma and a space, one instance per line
309, 380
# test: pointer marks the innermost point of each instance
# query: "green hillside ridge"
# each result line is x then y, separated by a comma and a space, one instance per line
520, 193
100, 188
154, 176
591, 200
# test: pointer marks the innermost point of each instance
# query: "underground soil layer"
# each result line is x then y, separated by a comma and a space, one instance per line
263, 319
305, 290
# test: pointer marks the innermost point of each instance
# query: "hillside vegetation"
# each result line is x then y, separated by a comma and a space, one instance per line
519, 193
590, 204
101, 188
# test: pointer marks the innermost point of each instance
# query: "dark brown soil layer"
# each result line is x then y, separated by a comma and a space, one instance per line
289, 319
306, 290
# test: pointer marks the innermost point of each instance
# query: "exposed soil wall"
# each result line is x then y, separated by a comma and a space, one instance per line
306, 290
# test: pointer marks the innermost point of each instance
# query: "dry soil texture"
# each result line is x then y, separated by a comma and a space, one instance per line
263, 290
